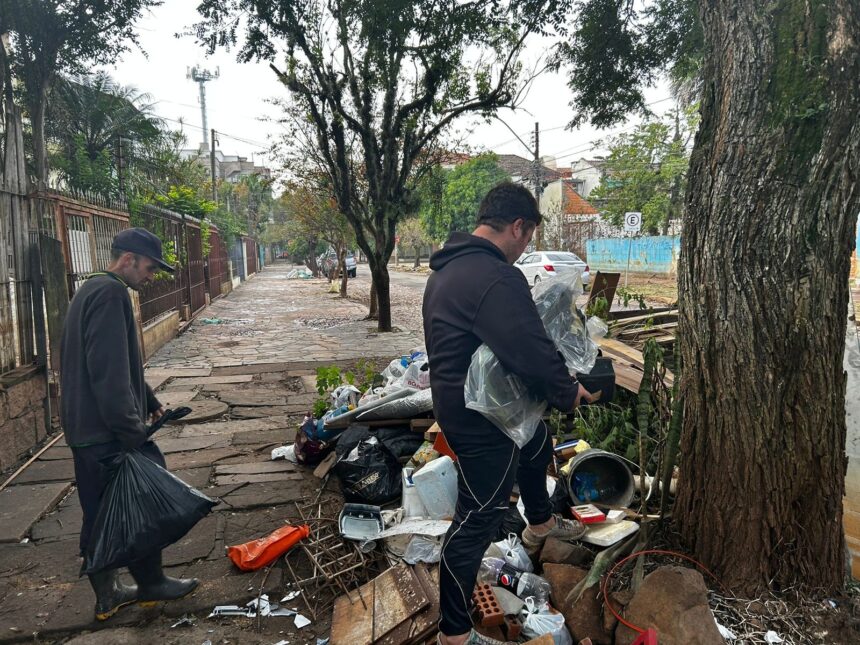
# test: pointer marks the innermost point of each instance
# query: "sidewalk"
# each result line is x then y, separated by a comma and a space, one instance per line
249, 378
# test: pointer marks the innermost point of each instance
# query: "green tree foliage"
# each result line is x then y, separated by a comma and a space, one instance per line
380, 81
48, 37
95, 125
617, 48
185, 200
646, 171
450, 199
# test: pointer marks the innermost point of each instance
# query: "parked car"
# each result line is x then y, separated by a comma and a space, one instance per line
327, 261
542, 265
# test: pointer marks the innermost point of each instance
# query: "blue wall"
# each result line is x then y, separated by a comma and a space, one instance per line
657, 254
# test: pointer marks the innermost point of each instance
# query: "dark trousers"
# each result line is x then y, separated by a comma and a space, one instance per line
92, 477
487, 467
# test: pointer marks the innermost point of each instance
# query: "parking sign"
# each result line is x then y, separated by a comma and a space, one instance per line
633, 221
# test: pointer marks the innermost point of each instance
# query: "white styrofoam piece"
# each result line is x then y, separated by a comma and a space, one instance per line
608, 534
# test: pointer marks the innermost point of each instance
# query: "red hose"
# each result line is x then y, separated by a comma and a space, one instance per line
646, 552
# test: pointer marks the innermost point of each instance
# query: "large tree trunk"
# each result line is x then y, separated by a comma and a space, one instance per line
768, 233
381, 291
40, 144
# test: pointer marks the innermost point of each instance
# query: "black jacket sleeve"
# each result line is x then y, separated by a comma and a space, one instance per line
508, 322
106, 350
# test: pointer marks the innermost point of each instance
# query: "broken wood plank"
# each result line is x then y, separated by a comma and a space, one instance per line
351, 622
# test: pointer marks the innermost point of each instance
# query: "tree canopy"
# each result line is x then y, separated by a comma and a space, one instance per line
450, 199
646, 171
380, 81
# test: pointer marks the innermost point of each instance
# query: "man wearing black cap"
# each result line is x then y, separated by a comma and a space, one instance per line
475, 296
106, 402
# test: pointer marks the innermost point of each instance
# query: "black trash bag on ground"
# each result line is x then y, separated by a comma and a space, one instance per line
144, 509
401, 440
369, 473
560, 500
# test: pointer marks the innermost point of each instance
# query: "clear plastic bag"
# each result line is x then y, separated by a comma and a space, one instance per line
423, 548
502, 397
540, 619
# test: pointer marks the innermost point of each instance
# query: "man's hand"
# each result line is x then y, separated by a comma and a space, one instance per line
155, 416
584, 395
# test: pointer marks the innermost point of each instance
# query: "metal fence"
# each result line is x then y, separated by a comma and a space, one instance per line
217, 265
251, 254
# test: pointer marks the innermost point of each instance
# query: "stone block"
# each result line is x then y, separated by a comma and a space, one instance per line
22, 506
18, 437
557, 551
60, 470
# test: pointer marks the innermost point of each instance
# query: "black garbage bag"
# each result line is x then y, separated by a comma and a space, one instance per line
401, 440
369, 473
513, 522
144, 509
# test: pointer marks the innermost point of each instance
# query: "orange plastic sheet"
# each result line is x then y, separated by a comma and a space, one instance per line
256, 554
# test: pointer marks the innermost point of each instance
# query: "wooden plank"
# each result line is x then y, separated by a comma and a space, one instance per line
603, 285
56, 293
420, 425
397, 597
351, 622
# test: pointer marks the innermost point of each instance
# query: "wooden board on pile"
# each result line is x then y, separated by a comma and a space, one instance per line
628, 364
401, 605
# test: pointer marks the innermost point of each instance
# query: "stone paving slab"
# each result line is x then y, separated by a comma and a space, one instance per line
211, 380
56, 452
175, 398
22, 506
257, 468
251, 398
258, 495
156, 381
263, 437
204, 410
196, 545
235, 425
188, 444
259, 478
57, 470
200, 458
65, 522
177, 371
242, 412
196, 477
221, 583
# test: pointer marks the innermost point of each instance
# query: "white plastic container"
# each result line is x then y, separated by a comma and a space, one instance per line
609, 534
436, 484
412, 504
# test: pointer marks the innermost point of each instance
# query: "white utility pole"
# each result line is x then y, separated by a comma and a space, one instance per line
202, 76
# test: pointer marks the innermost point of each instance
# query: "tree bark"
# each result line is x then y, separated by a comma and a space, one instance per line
380, 293
769, 227
40, 145
341, 263
417, 257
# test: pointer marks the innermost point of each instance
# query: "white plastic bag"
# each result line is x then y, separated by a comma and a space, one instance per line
422, 548
541, 620
345, 395
512, 551
502, 397
394, 371
416, 375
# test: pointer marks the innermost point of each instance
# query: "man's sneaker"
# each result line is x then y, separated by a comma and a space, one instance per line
564, 529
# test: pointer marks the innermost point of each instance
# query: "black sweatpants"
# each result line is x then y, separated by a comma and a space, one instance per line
487, 467
92, 478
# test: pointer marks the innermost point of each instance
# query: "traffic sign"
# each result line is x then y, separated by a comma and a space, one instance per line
633, 221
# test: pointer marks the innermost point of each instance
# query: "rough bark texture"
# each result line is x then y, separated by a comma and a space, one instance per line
768, 233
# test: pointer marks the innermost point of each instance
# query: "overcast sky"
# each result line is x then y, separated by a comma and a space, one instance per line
237, 100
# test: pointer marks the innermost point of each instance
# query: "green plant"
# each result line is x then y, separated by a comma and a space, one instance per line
608, 427
625, 296
328, 378
205, 234
598, 307
320, 408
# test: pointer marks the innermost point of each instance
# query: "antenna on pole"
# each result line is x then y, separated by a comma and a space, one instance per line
201, 76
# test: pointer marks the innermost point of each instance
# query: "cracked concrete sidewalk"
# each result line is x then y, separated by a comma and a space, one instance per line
249, 378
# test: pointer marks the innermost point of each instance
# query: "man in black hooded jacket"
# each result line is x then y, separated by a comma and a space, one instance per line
476, 296
106, 403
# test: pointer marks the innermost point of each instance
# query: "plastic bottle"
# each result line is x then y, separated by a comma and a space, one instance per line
499, 573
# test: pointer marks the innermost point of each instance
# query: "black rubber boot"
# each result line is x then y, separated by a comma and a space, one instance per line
111, 594
154, 586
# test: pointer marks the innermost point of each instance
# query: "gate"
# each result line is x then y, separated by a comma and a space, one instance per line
251, 254
194, 267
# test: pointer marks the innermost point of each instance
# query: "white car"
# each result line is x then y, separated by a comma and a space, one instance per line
543, 265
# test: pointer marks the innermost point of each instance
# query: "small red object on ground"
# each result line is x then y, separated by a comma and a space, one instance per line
489, 612
441, 446
588, 514
648, 637
256, 554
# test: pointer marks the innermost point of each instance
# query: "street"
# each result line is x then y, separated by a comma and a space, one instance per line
246, 366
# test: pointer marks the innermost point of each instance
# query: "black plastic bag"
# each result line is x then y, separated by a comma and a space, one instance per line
369, 473
513, 522
401, 440
144, 509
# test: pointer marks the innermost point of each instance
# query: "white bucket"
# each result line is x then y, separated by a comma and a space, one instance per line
412, 504
436, 484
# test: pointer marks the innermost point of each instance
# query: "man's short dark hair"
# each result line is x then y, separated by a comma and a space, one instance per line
505, 203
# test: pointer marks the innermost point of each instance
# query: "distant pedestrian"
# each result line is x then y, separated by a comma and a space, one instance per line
106, 403
475, 296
